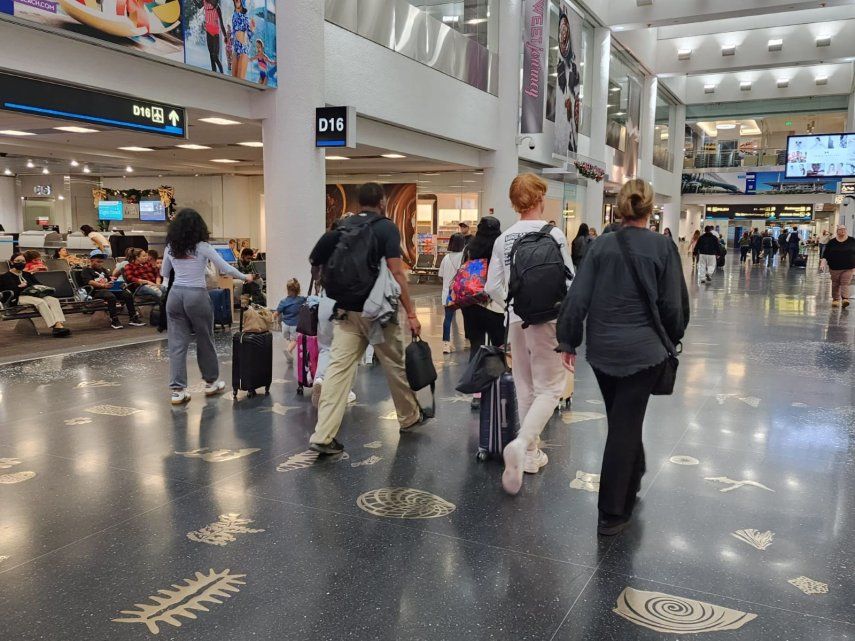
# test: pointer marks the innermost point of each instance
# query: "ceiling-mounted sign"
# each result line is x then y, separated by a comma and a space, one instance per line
40, 98
847, 188
760, 212
335, 127
41, 190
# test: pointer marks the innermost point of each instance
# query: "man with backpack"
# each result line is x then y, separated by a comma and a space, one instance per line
708, 249
350, 256
531, 267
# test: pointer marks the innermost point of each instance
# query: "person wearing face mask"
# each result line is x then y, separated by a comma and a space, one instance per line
17, 281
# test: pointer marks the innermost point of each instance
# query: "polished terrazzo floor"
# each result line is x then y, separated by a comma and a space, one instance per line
121, 517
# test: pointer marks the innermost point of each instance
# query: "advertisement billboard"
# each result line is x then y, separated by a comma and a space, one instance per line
236, 38
567, 100
756, 182
534, 66
831, 155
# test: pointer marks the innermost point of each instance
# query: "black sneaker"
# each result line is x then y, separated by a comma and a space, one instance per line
333, 447
422, 419
612, 527
136, 321
475, 404
116, 324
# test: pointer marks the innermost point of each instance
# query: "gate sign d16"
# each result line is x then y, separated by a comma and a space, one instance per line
335, 127
53, 100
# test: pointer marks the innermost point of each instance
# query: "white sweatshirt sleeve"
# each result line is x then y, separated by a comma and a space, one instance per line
496, 286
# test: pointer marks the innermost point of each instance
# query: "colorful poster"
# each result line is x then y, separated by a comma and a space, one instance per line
534, 67
567, 101
400, 207
756, 182
234, 37
821, 155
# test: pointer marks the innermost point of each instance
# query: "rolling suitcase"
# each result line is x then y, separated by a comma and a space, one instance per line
252, 361
221, 301
307, 361
499, 420
801, 259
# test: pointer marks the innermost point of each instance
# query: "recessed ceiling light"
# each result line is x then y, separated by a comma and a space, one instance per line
384, 175
86, 169
129, 169
709, 88
823, 41
192, 146
725, 125
61, 197
745, 85
614, 89
15, 132
219, 121
469, 181
431, 173
77, 130
728, 50
225, 161
74, 163
476, 21
684, 54
45, 170
620, 113
618, 28
135, 149
7, 171
393, 156
776, 44
337, 158
782, 83
252, 143
822, 80
30, 164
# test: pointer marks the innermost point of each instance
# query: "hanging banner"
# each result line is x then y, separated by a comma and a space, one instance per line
534, 66
568, 101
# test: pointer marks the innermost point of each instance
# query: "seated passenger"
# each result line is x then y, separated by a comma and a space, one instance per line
119, 269
72, 259
157, 261
140, 274
104, 288
34, 262
252, 289
17, 281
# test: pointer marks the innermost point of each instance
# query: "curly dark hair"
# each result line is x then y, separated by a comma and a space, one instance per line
186, 230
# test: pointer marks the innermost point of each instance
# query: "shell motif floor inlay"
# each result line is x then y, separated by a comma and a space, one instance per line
586, 481
112, 410
684, 460
809, 586
571, 417
755, 538
735, 485
218, 456
16, 477
222, 531
404, 503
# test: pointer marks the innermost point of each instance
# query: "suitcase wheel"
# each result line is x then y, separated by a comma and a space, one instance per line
299, 390
251, 393
482, 456
234, 395
267, 391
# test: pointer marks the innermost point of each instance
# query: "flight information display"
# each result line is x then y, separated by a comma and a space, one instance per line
831, 155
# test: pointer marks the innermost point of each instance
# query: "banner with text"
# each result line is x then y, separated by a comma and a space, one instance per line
534, 66
567, 99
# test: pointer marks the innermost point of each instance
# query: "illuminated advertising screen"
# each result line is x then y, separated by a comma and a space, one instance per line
152, 211
831, 155
770, 213
110, 210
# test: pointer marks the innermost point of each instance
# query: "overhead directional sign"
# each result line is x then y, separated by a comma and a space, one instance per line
41, 98
335, 127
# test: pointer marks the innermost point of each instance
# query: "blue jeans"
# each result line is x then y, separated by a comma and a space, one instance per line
446, 324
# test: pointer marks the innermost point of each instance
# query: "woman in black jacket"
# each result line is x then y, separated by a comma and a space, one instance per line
579, 246
17, 281
623, 346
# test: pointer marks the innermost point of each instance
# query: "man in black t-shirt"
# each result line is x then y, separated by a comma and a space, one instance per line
351, 332
103, 287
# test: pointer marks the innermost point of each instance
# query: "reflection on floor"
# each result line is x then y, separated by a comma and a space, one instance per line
218, 511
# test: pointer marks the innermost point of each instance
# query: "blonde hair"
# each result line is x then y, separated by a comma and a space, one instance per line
293, 287
635, 200
526, 191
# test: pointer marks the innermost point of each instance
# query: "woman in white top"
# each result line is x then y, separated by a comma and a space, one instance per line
188, 307
448, 269
99, 241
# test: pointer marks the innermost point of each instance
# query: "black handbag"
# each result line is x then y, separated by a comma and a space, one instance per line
161, 307
38, 291
307, 319
668, 375
420, 370
488, 364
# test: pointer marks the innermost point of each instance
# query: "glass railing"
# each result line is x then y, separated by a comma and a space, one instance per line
715, 159
410, 31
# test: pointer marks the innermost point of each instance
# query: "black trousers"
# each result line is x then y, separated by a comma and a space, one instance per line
112, 298
755, 254
214, 51
481, 324
743, 254
626, 400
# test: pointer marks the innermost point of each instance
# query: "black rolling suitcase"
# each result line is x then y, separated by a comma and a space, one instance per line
499, 419
221, 301
252, 361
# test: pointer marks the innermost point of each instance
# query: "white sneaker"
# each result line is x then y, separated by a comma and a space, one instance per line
217, 387
447, 348
351, 397
316, 391
180, 397
514, 456
534, 460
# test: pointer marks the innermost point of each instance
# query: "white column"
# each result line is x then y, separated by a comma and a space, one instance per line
294, 171
647, 125
10, 210
599, 66
850, 113
502, 165
671, 210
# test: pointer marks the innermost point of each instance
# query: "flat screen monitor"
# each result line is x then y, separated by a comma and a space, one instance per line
825, 155
152, 211
225, 252
110, 210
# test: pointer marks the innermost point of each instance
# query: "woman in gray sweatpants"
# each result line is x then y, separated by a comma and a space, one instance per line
188, 306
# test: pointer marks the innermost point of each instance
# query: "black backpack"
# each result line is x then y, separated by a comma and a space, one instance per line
350, 272
538, 282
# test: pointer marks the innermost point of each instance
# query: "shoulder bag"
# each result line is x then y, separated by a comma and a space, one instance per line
665, 383
38, 291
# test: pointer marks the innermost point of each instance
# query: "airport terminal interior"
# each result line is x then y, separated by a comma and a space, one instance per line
133, 506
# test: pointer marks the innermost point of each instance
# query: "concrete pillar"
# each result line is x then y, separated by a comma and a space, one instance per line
10, 205
647, 125
502, 165
294, 171
599, 66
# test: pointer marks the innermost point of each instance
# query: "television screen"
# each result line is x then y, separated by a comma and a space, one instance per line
827, 155
110, 210
152, 211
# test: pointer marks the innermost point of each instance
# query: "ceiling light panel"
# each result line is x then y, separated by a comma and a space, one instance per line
15, 132
821, 80
337, 158
709, 88
684, 54
783, 83
219, 121
225, 161
745, 85
252, 143
728, 50
77, 130
192, 146
823, 41
135, 149
393, 156
776, 44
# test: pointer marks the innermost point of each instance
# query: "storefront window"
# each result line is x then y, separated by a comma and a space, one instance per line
584, 48
662, 131
469, 17
623, 114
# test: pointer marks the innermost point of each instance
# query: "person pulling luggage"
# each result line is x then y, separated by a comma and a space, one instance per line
351, 257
